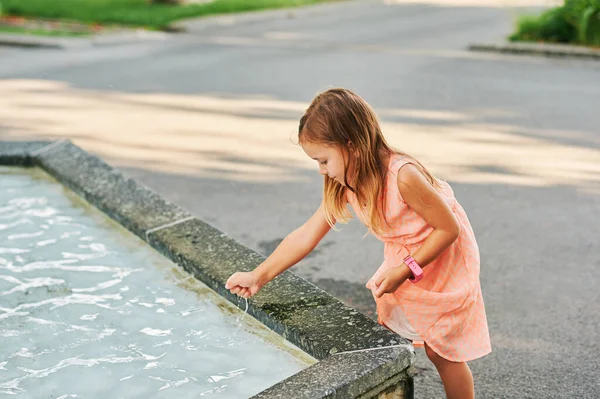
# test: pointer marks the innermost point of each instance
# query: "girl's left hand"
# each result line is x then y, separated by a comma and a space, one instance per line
391, 279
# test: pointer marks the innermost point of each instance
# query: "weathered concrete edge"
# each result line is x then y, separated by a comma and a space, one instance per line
289, 305
18, 153
547, 50
350, 375
307, 306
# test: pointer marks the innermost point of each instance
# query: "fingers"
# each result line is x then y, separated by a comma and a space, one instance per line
233, 284
237, 284
381, 288
244, 292
240, 291
379, 279
378, 292
231, 281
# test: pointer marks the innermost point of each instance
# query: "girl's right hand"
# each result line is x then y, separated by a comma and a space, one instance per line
244, 284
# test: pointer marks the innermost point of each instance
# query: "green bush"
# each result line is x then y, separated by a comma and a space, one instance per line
551, 26
576, 21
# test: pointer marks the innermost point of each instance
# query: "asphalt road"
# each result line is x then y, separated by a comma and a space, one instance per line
207, 119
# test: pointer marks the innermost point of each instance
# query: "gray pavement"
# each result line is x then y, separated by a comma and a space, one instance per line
207, 118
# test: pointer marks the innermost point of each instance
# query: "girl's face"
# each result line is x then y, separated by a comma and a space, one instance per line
330, 159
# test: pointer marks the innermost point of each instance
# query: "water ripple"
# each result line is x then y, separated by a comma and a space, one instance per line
79, 297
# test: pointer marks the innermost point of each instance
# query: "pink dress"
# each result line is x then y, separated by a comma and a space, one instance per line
445, 309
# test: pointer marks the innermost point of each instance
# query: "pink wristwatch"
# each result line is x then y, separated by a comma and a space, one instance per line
414, 268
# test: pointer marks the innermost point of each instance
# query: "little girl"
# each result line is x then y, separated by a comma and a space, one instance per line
427, 288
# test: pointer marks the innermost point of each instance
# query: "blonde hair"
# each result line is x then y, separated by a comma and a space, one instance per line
340, 118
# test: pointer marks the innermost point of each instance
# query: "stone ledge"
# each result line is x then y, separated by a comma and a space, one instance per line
18, 152
296, 309
540, 49
350, 375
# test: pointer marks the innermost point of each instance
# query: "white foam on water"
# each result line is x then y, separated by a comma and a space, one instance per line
89, 310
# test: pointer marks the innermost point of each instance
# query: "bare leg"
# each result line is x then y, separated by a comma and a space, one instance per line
456, 377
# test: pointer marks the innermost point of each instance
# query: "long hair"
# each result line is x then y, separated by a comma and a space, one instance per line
340, 118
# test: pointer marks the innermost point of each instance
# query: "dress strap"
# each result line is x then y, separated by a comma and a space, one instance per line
397, 162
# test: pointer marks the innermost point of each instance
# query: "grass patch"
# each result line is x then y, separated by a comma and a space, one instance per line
40, 32
551, 26
575, 22
135, 12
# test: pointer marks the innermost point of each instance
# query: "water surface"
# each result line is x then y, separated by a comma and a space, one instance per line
88, 310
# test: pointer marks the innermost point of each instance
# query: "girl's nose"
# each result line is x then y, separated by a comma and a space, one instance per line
322, 170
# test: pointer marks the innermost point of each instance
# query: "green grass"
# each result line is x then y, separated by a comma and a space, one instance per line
135, 12
39, 32
575, 22
550, 26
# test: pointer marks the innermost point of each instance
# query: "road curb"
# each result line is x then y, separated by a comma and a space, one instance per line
31, 41
539, 49
16, 40
199, 24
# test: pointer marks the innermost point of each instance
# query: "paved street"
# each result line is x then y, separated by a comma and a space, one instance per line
208, 118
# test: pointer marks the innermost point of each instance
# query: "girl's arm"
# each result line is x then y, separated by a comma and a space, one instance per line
290, 251
422, 197
294, 247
